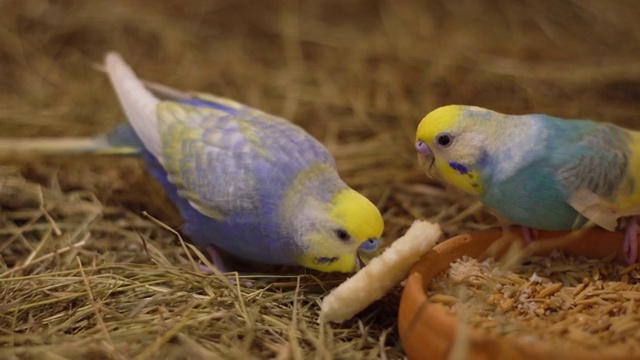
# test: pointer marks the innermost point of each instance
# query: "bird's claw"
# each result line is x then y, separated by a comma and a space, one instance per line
529, 235
218, 263
630, 246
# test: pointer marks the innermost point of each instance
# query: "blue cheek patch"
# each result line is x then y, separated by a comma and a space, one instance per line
458, 167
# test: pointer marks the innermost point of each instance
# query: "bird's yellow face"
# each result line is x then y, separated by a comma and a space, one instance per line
348, 237
444, 137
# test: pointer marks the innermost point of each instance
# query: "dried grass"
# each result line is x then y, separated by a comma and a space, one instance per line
81, 279
85, 274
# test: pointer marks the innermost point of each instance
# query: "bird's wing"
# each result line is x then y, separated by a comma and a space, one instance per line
220, 153
282, 136
595, 171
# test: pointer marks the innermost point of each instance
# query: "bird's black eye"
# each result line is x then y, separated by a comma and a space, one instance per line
343, 235
444, 139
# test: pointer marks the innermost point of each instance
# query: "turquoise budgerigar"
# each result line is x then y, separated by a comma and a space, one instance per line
539, 171
247, 182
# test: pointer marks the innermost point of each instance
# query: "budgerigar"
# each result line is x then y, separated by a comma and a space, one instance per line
247, 182
539, 171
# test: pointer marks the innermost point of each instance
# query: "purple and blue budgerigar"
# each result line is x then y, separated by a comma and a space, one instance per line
247, 182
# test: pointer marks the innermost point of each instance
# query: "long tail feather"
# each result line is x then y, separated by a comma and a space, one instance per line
138, 103
162, 91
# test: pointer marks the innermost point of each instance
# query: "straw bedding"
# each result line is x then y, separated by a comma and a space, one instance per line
85, 269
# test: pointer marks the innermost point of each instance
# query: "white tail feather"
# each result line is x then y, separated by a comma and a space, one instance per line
138, 103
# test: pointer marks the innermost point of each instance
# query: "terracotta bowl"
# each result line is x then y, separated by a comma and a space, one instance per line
428, 332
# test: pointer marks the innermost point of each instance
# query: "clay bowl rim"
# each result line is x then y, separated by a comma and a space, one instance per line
439, 328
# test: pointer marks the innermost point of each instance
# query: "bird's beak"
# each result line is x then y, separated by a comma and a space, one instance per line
424, 153
422, 148
367, 251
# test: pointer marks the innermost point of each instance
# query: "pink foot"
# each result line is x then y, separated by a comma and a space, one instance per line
529, 235
630, 246
214, 255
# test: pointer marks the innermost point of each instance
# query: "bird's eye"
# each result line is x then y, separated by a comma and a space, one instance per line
444, 139
343, 235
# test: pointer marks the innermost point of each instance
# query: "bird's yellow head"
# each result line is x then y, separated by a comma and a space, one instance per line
346, 235
447, 135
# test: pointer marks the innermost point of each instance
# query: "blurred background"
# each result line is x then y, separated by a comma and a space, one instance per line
358, 75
